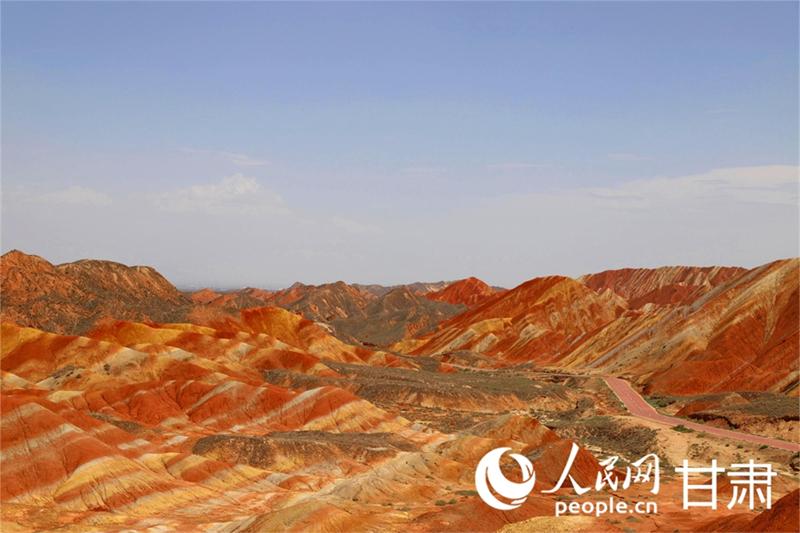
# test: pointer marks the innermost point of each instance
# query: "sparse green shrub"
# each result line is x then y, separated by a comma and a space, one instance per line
441, 503
682, 429
657, 402
467, 492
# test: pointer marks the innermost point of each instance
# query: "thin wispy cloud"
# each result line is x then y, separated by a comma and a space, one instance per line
518, 166
75, 195
626, 157
78, 195
424, 170
777, 185
241, 160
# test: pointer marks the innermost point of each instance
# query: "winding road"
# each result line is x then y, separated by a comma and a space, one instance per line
637, 406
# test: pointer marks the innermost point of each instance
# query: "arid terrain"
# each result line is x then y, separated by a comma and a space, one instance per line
128, 404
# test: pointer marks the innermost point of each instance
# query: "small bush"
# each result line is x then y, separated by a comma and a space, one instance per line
467, 492
404, 508
682, 429
451, 502
441, 502
763, 447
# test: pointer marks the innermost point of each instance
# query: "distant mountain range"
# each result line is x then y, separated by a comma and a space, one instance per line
684, 330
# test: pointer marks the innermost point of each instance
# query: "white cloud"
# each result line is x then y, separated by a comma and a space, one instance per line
237, 159
626, 157
233, 193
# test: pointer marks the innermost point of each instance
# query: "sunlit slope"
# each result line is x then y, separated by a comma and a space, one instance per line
538, 321
678, 285
743, 335
728, 330
470, 292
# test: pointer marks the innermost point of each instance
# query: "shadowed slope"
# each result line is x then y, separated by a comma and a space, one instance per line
73, 297
352, 315
234, 300
394, 316
330, 301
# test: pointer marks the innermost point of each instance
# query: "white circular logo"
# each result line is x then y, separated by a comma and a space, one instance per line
489, 469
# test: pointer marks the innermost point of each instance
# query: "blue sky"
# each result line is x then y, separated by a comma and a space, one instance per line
414, 125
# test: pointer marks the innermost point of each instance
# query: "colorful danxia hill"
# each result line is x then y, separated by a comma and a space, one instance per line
129, 405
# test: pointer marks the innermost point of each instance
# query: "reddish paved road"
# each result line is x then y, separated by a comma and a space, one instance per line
639, 407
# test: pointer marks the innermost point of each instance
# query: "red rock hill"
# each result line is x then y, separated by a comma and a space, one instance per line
470, 292
678, 285
73, 297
